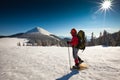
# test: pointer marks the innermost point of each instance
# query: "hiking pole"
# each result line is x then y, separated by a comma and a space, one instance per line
69, 57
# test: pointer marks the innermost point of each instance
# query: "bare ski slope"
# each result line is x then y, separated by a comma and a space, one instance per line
51, 63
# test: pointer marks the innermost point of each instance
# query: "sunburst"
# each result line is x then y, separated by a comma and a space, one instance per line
105, 5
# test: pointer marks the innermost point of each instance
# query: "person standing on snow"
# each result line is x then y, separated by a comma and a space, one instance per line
74, 43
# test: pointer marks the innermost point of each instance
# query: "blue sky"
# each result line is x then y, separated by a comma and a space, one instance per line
57, 16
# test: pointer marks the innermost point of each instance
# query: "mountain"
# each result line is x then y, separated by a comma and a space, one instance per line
1, 36
41, 37
16, 35
38, 30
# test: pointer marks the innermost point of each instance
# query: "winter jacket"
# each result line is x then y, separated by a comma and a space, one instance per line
74, 41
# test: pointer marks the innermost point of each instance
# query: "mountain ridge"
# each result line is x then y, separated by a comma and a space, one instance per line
42, 37
38, 30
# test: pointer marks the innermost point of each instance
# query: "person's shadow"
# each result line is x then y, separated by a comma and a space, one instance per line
69, 75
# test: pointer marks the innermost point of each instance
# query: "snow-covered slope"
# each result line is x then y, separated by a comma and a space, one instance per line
10, 42
43, 37
51, 63
39, 30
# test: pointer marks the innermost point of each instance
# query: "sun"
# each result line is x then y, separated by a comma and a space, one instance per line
104, 7
106, 4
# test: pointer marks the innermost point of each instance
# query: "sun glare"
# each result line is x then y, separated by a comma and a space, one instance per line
104, 7
106, 4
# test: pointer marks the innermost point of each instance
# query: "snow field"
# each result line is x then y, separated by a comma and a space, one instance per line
52, 63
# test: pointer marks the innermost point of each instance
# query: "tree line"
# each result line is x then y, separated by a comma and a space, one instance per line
105, 39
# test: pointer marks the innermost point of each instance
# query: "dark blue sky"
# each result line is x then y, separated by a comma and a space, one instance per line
57, 16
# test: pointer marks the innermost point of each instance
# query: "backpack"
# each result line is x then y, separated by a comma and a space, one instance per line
81, 40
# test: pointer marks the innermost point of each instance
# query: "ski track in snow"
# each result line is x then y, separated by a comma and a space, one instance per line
51, 63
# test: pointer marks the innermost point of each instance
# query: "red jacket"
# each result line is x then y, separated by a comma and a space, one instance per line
74, 41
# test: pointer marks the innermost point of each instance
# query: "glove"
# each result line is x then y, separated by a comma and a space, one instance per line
68, 42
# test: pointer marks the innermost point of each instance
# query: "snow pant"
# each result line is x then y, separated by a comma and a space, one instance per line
77, 59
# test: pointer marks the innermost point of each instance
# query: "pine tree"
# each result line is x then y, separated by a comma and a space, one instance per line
92, 39
105, 38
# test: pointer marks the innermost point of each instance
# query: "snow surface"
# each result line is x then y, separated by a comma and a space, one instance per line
39, 30
51, 63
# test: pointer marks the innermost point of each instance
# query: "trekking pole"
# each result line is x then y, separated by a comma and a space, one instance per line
69, 57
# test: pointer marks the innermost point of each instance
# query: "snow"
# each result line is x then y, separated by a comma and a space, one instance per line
10, 42
39, 30
52, 63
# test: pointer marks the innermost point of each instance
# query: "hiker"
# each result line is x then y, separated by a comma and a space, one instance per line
74, 42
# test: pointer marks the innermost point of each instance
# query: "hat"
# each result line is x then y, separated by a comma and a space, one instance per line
73, 31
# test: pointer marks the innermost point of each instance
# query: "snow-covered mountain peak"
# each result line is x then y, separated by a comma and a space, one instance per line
39, 30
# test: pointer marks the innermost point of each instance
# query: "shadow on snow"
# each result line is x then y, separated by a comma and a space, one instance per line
69, 75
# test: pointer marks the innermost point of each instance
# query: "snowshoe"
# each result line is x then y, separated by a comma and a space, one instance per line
81, 66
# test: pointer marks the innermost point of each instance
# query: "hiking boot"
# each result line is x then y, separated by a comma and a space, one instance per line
76, 66
81, 61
